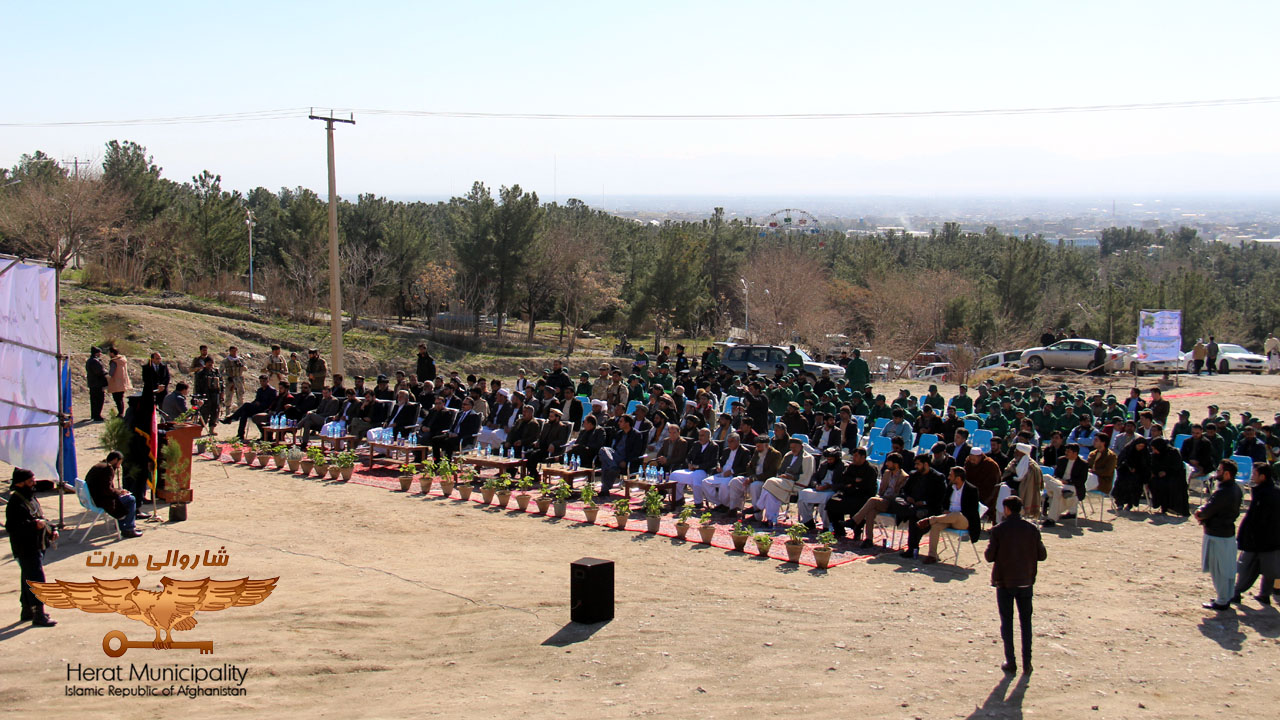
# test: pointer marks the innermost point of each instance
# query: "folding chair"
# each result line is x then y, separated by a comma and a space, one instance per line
95, 514
888, 523
954, 537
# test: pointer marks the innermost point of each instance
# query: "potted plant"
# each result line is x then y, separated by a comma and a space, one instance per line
544, 497
795, 542
682, 524
652, 504
345, 463
560, 498
280, 455
764, 541
465, 486
488, 489
705, 528
446, 480
504, 490
407, 471
203, 445
236, 450
294, 457
250, 453
822, 553
427, 471
522, 497
322, 464
740, 534
621, 511
312, 456
589, 507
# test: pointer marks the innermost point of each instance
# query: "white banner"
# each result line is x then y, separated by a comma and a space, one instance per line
1159, 335
29, 375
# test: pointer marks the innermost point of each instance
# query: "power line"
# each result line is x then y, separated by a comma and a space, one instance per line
290, 113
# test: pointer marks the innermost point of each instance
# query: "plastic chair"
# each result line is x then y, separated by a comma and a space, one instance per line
881, 422
971, 426
801, 437
631, 406
925, 443
95, 514
1084, 453
1244, 467
585, 402
880, 449
729, 400
1047, 471
954, 538
1092, 491
981, 439
1179, 439
862, 423
888, 522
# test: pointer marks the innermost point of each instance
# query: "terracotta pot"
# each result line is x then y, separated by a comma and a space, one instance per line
322, 470
306, 466
682, 529
236, 455
347, 472
794, 550
559, 507
249, 457
740, 542
294, 465
522, 502
653, 523
764, 549
707, 532
487, 495
280, 461
822, 557
405, 482
591, 513
621, 521
543, 504
464, 491
504, 498
446, 486
263, 460
334, 471
424, 484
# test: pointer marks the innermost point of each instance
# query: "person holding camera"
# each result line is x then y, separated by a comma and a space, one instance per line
29, 536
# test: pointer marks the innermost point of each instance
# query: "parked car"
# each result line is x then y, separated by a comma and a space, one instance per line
765, 357
1129, 361
1069, 354
1232, 358
1008, 358
933, 371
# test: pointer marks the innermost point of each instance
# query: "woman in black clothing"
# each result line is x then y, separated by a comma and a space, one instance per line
1133, 471
1168, 479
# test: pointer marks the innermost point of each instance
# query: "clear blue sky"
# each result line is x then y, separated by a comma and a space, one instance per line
92, 60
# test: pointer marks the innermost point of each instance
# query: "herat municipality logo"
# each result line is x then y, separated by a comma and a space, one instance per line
170, 609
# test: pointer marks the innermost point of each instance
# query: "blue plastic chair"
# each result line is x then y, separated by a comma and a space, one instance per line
93, 514
1178, 440
1084, 453
881, 422
585, 402
1244, 468
862, 423
880, 449
970, 425
631, 406
982, 439
729, 400
1047, 471
801, 437
925, 442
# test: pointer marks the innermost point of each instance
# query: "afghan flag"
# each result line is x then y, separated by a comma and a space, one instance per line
152, 449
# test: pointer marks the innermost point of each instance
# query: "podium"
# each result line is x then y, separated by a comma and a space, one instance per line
174, 483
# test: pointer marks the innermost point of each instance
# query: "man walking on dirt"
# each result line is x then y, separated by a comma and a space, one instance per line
1212, 355
1015, 552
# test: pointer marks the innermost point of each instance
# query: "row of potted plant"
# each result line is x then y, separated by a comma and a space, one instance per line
286, 457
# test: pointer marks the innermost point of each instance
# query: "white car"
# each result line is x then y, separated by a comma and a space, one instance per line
1128, 360
1008, 358
1233, 358
933, 371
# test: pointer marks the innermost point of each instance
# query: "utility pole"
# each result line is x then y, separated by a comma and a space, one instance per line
335, 290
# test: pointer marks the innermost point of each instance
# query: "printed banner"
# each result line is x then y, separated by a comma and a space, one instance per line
1159, 335
29, 375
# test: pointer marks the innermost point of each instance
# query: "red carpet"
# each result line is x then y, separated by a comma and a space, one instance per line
388, 479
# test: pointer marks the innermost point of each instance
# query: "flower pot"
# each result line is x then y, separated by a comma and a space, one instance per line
621, 521
306, 466
822, 557
280, 461
504, 499
559, 507
522, 502
249, 457
652, 523
424, 484
682, 529
446, 486
591, 513
707, 532
464, 491
405, 482
543, 504
346, 472
487, 495
236, 455
763, 547
321, 471
295, 464
263, 460
740, 542
794, 550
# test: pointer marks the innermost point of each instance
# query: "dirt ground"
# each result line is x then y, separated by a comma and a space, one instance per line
391, 605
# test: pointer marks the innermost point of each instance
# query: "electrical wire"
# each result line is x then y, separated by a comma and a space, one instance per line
291, 113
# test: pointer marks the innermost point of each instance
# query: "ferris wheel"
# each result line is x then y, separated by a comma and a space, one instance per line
790, 220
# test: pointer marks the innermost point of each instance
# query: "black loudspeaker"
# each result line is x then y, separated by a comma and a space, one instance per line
591, 591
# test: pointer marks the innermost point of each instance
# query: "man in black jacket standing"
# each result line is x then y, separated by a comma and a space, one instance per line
96, 377
29, 536
426, 366
1218, 516
1015, 552
1259, 537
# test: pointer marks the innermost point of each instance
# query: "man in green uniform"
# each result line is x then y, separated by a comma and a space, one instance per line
795, 363
584, 384
857, 372
935, 399
963, 402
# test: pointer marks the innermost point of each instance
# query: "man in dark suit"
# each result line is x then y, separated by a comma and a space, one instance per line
524, 433
734, 460
262, 400
961, 512
1072, 470
155, 378
326, 409
96, 376
959, 448
366, 416
116, 502
1015, 551
403, 416
925, 495
550, 443
586, 448
621, 455
461, 434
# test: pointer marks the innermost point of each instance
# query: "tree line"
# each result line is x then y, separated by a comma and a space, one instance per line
489, 259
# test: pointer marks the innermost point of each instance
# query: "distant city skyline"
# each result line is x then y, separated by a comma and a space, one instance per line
151, 60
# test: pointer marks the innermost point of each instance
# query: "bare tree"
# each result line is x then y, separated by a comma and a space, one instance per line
62, 218
363, 272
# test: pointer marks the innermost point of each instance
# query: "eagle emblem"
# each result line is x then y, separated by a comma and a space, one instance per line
170, 609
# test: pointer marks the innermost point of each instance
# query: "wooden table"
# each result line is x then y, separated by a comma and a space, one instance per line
564, 472
338, 443
401, 454
275, 434
492, 461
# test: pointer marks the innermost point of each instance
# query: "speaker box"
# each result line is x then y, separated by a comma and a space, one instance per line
591, 591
